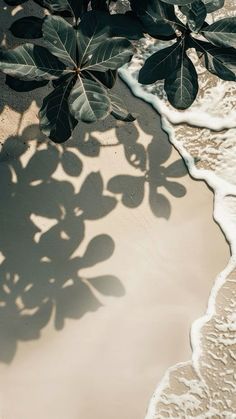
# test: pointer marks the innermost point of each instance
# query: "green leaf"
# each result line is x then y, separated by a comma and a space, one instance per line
60, 38
213, 5
160, 64
89, 101
110, 55
57, 5
178, 2
118, 109
30, 61
107, 78
123, 25
91, 32
27, 27
24, 85
158, 18
219, 61
222, 33
56, 120
195, 13
181, 85
76, 7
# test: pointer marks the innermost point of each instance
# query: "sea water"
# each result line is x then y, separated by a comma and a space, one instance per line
205, 136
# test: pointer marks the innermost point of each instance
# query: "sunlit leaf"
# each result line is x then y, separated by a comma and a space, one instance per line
196, 14
89, 101
158, 18
110, 55
55, 119
60, 38
219, 61
30, 61
222, 33
181, 85
91, 32
107, 78
178, 2
160, 64
213, 5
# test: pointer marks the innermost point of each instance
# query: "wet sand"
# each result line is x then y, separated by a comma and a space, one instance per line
102, 356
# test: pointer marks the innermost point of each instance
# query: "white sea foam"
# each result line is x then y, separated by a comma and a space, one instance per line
205, 136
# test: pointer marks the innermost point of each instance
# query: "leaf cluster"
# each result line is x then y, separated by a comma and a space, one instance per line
184, 22
86, 45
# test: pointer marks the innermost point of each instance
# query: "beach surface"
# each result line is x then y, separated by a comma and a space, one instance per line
109, 252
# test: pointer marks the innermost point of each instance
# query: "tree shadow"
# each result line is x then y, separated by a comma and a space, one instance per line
39, 273
151, 160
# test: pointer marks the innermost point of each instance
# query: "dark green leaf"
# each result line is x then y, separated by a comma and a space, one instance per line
27, 27
91, 32
31, 61
89, 101
195, 13
219, 61
159, 65
178, 2
123, 25
158, 18
76, 7
55, 119
24, 85
118, 109
60, 38
57, 5
107, 78
222, 33
213, 5
181, 85
110, 55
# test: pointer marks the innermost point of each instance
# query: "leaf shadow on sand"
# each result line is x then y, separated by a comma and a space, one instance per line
150, 161
41, 275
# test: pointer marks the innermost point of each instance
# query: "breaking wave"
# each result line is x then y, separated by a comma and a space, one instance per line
205, 136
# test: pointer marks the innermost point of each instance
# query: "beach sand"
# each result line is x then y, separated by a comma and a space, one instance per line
95, 345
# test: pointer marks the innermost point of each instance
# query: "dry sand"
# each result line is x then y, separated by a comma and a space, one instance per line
83, 360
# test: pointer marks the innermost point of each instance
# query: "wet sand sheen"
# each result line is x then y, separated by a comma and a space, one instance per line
106, 363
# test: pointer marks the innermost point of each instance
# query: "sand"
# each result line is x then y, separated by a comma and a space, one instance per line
74, 349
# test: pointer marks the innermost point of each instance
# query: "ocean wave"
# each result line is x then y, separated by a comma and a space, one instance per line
205, 136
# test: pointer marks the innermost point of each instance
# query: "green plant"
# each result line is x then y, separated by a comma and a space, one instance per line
85, 46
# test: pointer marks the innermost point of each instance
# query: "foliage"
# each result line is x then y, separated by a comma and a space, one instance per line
85, 46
